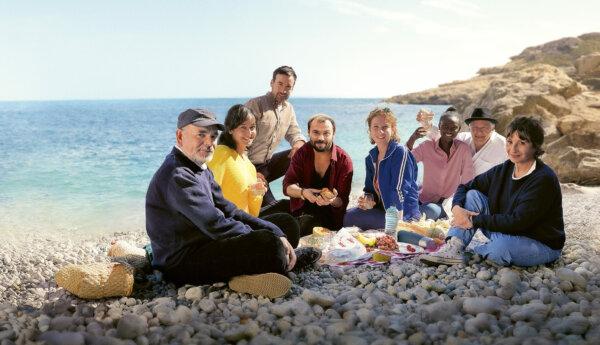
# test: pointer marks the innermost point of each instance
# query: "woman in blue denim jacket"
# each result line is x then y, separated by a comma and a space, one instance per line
391, 176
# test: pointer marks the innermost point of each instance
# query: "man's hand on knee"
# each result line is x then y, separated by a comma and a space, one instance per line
289, 252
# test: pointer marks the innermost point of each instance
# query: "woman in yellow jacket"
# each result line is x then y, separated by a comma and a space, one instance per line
232, 169
230, 165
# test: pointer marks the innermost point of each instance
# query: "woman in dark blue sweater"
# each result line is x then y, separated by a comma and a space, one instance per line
517, 205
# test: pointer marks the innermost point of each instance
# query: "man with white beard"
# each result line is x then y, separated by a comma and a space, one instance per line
199, 237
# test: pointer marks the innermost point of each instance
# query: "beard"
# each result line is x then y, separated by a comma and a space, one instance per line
199, 160
325, 148
279, 98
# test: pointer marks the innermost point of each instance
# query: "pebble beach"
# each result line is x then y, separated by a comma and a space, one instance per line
399, 303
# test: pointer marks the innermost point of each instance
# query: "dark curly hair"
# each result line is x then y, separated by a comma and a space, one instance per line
529, 129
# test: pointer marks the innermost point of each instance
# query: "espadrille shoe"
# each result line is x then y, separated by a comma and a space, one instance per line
271, 285
96, 280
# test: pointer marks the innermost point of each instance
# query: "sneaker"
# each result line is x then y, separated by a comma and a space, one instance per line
271, 285
450, 254
140, 263
306, 256
123, 252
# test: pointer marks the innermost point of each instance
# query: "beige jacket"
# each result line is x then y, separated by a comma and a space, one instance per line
272, 125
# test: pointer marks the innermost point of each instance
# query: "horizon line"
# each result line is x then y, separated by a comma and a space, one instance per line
171, 98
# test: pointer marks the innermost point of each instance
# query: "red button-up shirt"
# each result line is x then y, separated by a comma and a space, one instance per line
301, 170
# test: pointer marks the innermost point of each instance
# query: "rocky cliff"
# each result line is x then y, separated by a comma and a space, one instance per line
558, 81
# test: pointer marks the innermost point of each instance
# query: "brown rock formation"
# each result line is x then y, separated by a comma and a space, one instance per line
558, 81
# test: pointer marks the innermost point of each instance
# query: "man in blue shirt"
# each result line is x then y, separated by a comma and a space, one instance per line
199, 237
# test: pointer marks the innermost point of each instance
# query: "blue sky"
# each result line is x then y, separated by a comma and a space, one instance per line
340, 48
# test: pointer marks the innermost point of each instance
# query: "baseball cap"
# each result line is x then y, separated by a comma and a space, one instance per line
199, 117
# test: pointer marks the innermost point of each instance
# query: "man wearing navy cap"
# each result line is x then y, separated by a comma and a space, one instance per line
199, 237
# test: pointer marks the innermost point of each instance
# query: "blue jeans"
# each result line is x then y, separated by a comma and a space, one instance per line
433, 211
501, 248
365, 219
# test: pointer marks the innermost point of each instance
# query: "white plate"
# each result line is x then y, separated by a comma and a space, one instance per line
403, 248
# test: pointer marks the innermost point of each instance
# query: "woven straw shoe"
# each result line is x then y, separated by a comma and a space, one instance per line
271, 285
97, 280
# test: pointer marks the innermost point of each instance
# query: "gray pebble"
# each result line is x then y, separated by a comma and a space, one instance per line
61, 323
524, 331
365, 315
505, 292
247, 331
363, 278
62, 338
207, 305
194, 294
484, 275
488, 305
571, 276
313, 297
441, 311
416, 338
509, 278
131, 326
313, 334
572, 324
351, 340
478, 324
534, 311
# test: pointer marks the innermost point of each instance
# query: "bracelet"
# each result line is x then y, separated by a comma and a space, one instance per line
302, 194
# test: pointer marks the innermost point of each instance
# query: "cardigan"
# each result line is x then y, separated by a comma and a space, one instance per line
235, 173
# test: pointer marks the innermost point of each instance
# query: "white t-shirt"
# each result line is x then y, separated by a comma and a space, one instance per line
490, 155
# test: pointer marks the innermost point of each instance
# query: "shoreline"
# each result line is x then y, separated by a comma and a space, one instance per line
397, 303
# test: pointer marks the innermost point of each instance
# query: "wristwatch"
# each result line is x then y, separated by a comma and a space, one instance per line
302, 193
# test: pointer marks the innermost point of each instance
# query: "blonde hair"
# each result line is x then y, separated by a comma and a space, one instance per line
389, 117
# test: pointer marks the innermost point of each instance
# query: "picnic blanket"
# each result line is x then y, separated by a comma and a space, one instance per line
344, 249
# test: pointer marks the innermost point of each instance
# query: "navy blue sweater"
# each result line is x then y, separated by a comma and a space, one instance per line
185, 207
530, 207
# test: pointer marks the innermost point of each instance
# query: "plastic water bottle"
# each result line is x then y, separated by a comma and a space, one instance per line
416, 239
391, 221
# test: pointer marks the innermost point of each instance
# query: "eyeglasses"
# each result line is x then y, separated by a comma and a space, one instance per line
483, 129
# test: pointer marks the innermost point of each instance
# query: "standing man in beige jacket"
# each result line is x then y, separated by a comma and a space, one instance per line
275, 119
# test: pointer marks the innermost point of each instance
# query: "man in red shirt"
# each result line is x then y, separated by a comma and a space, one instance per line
319, 165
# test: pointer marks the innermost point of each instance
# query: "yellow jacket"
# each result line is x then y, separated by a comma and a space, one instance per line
235, 173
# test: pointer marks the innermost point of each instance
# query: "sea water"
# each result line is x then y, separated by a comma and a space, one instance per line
82, 167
